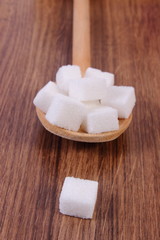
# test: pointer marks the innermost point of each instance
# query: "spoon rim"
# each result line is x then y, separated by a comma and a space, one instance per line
82, 136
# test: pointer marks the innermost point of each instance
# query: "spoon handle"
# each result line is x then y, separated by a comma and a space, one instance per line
81, 54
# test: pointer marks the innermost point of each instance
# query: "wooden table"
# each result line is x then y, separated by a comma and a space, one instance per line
35, 39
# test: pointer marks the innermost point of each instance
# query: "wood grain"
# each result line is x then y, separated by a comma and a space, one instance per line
35, 40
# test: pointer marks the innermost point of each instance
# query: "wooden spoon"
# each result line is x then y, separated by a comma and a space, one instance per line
81, 55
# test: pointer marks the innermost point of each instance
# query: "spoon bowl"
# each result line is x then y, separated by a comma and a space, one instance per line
82, 136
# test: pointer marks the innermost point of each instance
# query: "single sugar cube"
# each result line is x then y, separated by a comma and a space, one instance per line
66, 74
121, 98
87, 89
66, 112
102, 119
45, 95
78, 197
93, 72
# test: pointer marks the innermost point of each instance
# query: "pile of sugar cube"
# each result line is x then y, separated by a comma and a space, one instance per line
78, 197
91, 103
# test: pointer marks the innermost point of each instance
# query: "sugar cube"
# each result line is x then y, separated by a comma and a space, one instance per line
96, 73
87, 89
45, 95
122, 98
66, 112
92, 72
78, 197
66, 74
102, 119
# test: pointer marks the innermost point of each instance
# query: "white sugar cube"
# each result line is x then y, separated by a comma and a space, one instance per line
92, 72
102, 119
78, 197
44, 97
121, 98
66, 112
66, 74
96, 73
87, 89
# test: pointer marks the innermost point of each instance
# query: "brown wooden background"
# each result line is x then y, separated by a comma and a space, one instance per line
35, 39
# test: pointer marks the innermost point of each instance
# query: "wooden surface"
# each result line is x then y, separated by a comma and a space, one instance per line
35, 40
